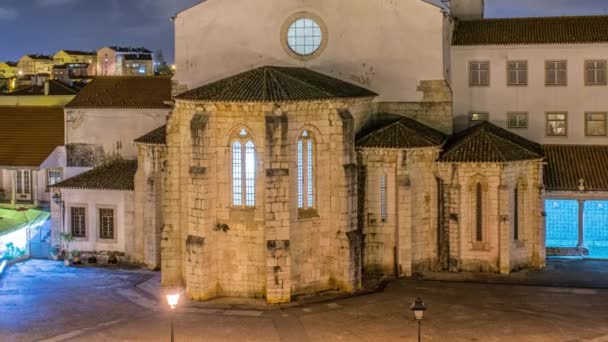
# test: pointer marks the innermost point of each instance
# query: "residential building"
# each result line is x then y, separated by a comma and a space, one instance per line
124, 61
73, 56
8, 69
34, 65
51, 93
74, 71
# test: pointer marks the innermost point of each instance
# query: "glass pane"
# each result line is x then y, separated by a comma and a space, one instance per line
250, 174
304, 36
561, 223
237, 167
309, 172
300, 176
383, 211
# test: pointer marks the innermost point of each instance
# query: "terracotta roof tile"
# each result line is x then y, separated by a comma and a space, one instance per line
29, 134
156, 137
544, 30
566, 164
124, 92
275, 84
404, 133
487, 143
116, 175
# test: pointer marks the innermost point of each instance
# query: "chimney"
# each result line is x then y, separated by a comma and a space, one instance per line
467, 9
46, 87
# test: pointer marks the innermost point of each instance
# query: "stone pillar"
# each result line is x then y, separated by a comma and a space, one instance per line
34, 188
454, 227
581, 223
404, 217
13, 188
277, 217
504, 230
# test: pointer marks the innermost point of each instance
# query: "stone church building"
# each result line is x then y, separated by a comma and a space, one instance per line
314, 144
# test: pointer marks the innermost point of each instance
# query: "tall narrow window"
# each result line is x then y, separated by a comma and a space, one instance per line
243, 171
516, 213
383, 211
306, 176
478, 212
79, 228
106, 223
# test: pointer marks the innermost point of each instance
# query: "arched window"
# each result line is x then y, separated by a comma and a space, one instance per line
306, 176
383, 209
243, 170
478, 212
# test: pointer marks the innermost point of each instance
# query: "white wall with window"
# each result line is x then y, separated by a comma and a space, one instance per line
99, 220
529, 84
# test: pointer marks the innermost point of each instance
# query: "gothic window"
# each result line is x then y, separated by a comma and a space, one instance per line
383, 209
243, 170
516, 213
478, 212
306, 176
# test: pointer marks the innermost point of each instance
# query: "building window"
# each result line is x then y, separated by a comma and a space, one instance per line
556, 73
479, 73
478, 212
595, 124
304, 36
517, 73
78, 216
383, 209
516, 213
557, 125
106, 223
243, 171
595, 72
52, 177
478, 116
306, 177
517, 120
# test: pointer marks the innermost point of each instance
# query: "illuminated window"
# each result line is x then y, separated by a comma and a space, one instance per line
477, 116
517, 73
305, 161
557, 124
304, 36
595, 72
383, 209
243, 171
479, 73
78, 222
595, 124
53, 177
106, 223
556, 73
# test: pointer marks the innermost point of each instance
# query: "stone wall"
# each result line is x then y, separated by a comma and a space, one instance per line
273, 249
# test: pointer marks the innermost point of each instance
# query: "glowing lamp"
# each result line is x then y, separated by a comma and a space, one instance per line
172, 300
418, 308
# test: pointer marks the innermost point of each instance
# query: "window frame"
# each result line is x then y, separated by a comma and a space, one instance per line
509, 114
85, 223
48, 178
547, 124
99, 227
585, 71
284, 38
383, 198
306, 169
526, 70
471, 113
243, 141
471, 83
547, 84
587, 114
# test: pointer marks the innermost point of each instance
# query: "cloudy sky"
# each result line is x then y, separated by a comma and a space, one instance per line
45, 26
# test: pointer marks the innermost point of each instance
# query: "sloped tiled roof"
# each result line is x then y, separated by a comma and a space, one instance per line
39, 57
566, 164
124, 92
138, 57
130, 49
156, 137
276, 84
82, 53
55, 88
404, 133
542, 30
487, 143
29, 134
116, 175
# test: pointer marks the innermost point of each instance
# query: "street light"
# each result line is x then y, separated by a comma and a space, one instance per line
418, 307
172, 300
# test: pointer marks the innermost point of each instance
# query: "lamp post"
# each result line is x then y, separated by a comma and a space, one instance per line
418, 308
172, 300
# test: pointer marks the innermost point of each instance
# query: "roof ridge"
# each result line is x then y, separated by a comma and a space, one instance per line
537, 18
302, 81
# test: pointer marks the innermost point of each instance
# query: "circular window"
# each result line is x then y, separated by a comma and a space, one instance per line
304, 35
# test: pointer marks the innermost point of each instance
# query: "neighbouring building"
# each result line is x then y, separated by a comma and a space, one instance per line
34, 65
73, 56
125, 61
8, 69
51, 93
74, 71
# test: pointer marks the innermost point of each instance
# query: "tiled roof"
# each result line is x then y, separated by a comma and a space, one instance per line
124, 92
487, 143
156, 137
138, 57
29, 134
130, 49
116, 175
546, 30
11, 64
76, 52
40, 57
55, 88
566, 164
275, 84
404, 133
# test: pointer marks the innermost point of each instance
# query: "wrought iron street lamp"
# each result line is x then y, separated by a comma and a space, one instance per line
418, 308
172, 300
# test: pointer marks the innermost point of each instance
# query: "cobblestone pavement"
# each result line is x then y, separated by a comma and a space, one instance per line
44, 300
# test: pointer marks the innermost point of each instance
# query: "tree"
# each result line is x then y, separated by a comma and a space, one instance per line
160, 64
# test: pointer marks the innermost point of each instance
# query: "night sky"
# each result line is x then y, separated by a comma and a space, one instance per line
46, 26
